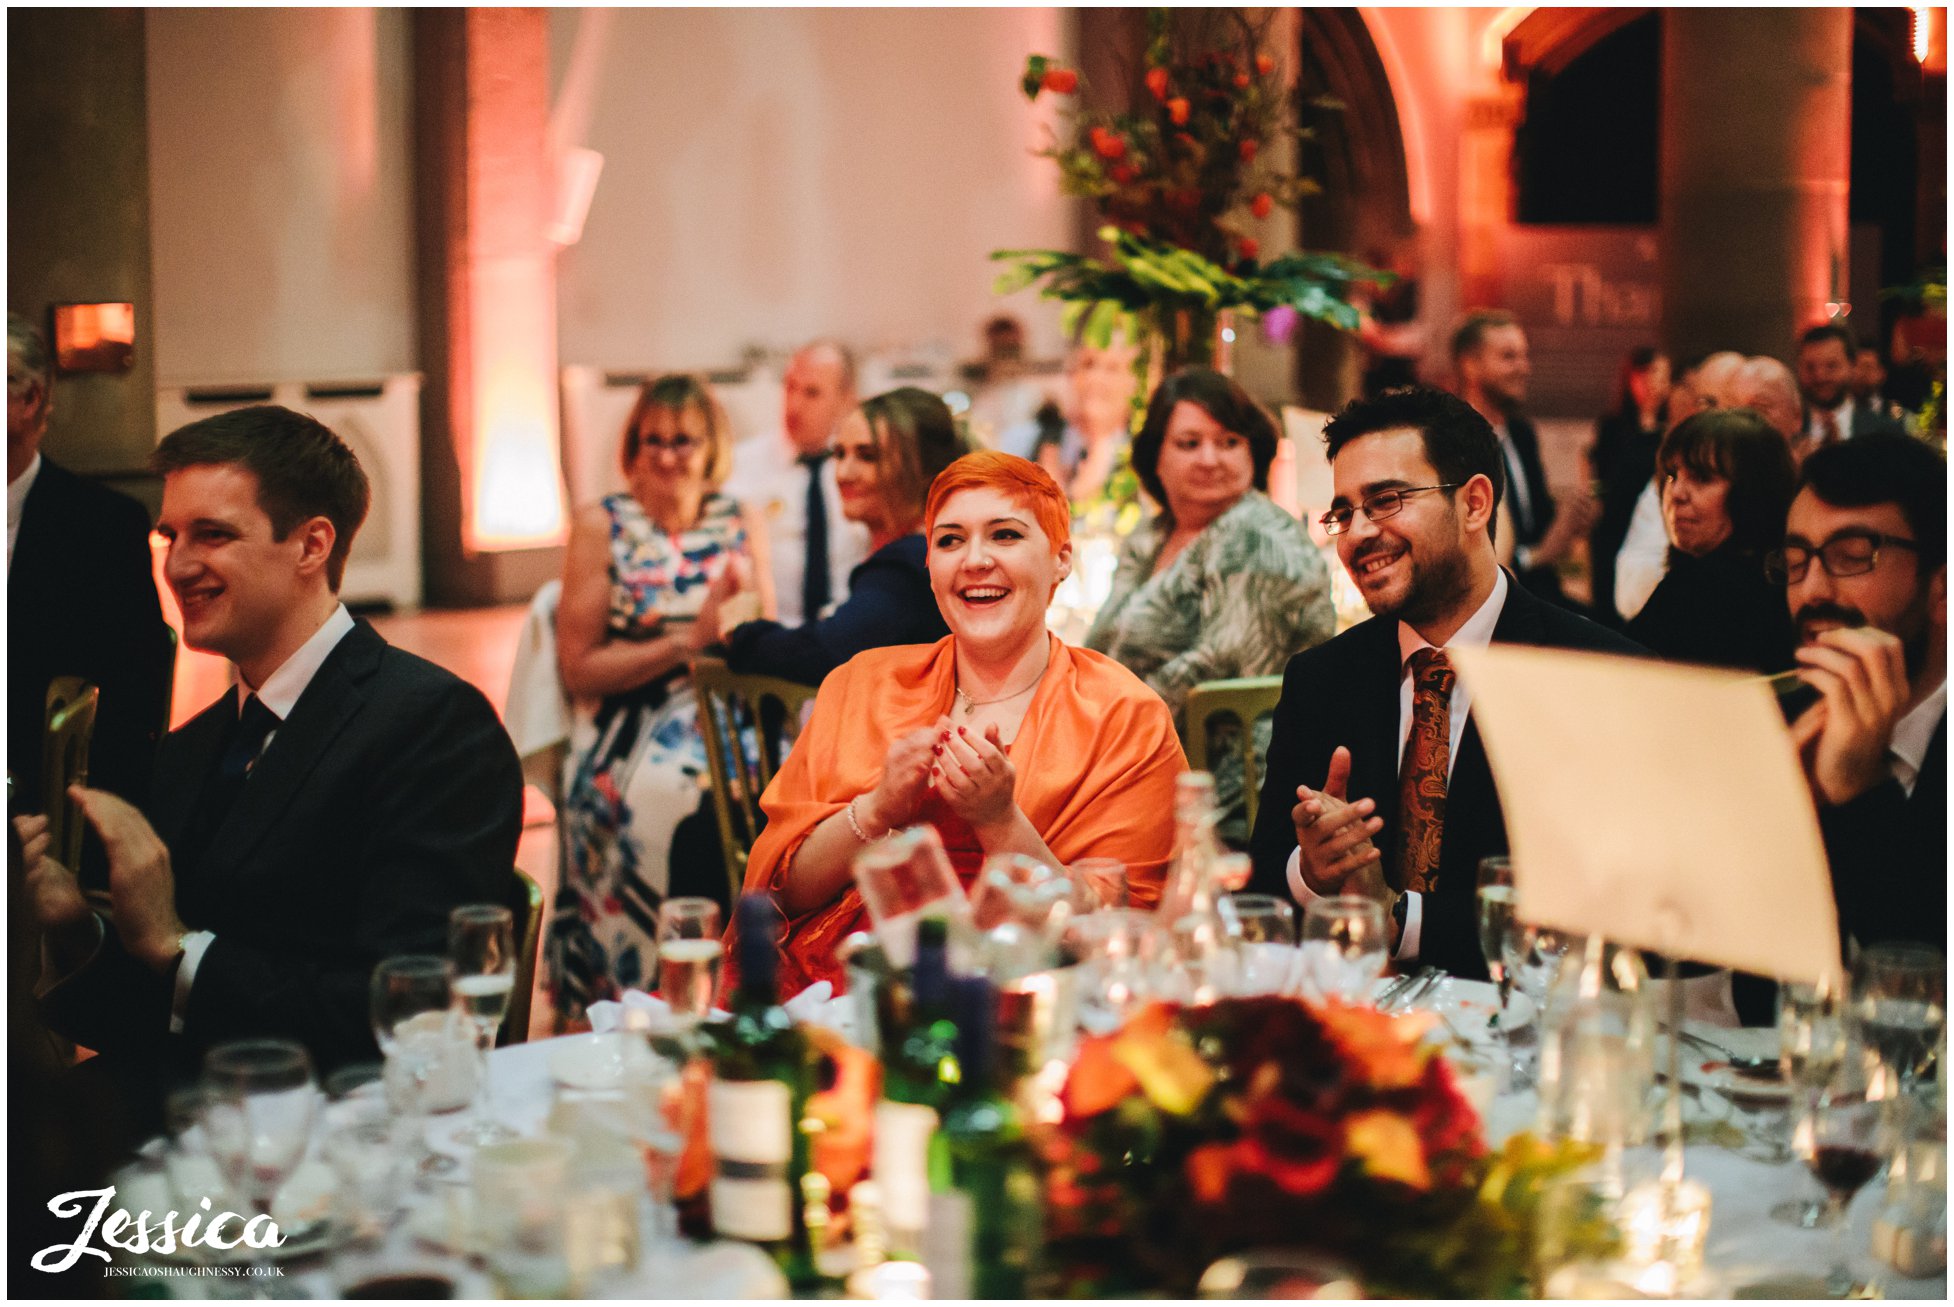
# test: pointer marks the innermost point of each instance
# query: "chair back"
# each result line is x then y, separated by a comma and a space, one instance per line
730, 705
1244, 699
515, 1029
71, 704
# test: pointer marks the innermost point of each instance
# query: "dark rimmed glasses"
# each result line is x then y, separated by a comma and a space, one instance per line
1850, 553
1383, 504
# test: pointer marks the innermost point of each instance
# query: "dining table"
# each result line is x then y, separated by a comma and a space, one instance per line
1747, 1253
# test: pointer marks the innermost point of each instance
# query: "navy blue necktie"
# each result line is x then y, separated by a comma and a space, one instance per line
814, 581
247, 741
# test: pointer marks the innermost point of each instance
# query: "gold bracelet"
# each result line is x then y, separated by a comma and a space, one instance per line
856, 826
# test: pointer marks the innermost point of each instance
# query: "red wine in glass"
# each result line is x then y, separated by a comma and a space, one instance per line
1843, 1169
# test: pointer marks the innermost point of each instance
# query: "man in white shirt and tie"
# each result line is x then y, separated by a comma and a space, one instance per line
788, 479
327, 812
1826, 358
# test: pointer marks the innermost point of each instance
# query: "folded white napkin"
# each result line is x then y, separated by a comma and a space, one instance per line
637, 1010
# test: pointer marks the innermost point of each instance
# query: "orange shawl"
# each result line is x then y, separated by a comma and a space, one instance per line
1096, 760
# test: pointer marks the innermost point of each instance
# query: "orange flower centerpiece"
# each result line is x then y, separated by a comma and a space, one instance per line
1186, 189
1192, 1133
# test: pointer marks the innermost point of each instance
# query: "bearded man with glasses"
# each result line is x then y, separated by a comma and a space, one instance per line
1864, 566
1376, 781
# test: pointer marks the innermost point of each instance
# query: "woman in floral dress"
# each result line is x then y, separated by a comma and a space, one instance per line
636, 573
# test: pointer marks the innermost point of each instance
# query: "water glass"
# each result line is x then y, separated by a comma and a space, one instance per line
362, 1146
1899, 1006
482, 945
412, 1008
1114, 947
1532, 957
689, 956
1104, 877
900, 878
521, 1192
1344, 947
260, 1104
1265, 926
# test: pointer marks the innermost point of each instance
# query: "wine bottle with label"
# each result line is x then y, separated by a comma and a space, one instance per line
986, 1227
763, 1073
918, 1064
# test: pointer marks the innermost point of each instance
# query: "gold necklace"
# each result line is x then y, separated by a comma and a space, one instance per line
971, 705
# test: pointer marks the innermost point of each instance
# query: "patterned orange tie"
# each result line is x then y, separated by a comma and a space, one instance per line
1422, 778
1828, 427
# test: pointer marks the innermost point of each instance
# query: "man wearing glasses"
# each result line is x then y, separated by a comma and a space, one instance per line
1376, 781
1864, 566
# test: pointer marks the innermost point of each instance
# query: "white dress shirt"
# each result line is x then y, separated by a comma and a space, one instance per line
1815, 424
1476, 633
1913, 734
280, 693
1644, 557
17, 502
770, 480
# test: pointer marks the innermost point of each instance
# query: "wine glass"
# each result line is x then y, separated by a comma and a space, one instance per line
1266, 927
1344, 946
1812, 1039
689, 955
1531, 956
482, 945
412, 1009
1840, 1136
1105, 877
191, 1171
260, 1104
1899, 1005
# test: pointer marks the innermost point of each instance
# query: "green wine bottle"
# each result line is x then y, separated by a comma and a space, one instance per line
986, 1228
763, 1188
918, 1067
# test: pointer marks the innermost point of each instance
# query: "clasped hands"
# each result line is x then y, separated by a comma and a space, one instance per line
1334, 837
142, 888
970, 768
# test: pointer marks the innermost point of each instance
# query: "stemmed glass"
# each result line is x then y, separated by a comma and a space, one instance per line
1266, 927
1495, 913
1840, 1136
689, 955
260, 1103
482, 945
1899, 1005
1812, 1040
1530, 958
1344, 946
410, 994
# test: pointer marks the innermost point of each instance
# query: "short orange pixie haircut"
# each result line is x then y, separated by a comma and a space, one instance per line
1018, 479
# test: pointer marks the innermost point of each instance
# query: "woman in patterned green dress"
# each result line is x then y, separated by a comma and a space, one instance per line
1220, 583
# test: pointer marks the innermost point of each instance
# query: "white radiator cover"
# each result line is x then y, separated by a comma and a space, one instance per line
381, 421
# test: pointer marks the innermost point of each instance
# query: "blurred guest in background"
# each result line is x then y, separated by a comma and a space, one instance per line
1387, 324
635, 575
1080, 442
81, 601
1002, 737
1767, 388
887, 452
1001, 394
1489, 354
1869, 382
786, 479
1825, 373
1726, 478
1623, 458
1864, 566
1220, 582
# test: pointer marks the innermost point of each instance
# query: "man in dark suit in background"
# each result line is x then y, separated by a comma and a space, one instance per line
1489, 354
1827, 355
327, 812
1865, 570
81, 601
1376, 780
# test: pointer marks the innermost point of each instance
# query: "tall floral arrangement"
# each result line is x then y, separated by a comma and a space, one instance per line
1185, 182
1196, 1132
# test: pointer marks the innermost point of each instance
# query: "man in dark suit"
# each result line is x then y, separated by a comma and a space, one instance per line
1403, 804
1826, 358
81, 601
1865, 570
329, 811
1489, 355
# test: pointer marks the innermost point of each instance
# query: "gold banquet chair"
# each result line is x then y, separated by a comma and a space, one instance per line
730, 703
1243, 700
515, 1029
71, 705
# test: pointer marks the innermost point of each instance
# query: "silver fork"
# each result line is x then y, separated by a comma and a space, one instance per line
1417, 987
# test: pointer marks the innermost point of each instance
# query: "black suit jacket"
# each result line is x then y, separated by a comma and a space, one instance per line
1888, 853
1530, 527
390, 796
1346, 692
81, 601
889, 602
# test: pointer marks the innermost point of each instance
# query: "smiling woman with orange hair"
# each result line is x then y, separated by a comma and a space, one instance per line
1002, 736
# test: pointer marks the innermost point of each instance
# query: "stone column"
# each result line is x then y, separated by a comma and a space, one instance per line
1756, 146
494, 516
78, 217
